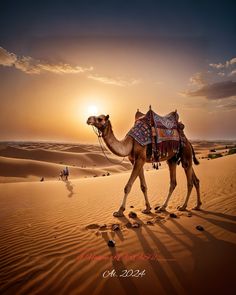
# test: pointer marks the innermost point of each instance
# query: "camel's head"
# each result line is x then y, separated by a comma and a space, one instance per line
100, 122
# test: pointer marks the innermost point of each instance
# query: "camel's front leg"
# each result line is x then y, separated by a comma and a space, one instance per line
144, 190
135, 172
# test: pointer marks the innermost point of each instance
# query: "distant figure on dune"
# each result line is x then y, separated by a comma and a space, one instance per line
64, 174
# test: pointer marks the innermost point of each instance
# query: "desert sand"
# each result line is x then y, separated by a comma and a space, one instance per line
53, 234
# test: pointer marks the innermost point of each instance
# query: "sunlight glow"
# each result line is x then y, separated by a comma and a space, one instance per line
92, 110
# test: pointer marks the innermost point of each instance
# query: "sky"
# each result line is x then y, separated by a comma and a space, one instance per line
62, 61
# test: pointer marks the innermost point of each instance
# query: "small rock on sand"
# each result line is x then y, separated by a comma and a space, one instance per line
173, 215
131, 206
200, 228
111, 243
132, 214
189, 214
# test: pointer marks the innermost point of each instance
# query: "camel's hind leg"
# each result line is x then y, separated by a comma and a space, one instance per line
197, 186
189, 174
138, 165
172, 169
144, 190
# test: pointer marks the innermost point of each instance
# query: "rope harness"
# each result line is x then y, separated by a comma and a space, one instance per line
102, 146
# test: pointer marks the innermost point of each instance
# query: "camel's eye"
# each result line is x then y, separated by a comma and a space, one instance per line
99, 119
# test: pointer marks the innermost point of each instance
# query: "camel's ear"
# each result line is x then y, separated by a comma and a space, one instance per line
107, 117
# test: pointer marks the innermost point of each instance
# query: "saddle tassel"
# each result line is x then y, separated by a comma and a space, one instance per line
155, 154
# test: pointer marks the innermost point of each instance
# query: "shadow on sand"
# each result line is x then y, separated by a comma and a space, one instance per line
213, 270
127, 284
214, 261
69, 187
218, 219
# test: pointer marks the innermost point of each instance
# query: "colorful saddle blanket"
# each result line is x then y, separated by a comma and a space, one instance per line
163, 129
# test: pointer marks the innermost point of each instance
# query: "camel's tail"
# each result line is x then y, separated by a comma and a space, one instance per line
195, 160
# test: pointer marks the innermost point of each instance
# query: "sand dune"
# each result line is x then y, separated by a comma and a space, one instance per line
59, 157
30, 170
76, 149
31, 161
48, 245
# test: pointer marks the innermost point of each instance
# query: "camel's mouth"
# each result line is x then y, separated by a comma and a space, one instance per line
90, 121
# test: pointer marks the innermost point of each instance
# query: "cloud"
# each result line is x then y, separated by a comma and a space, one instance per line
232, 73
213, 84
227, 64
230, 106
30, 65
217, 66
118, 82
221, 74
7, 59
33, 66
198, 79
231, 62
215, 91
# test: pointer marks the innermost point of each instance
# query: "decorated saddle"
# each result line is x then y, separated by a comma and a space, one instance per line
161, 133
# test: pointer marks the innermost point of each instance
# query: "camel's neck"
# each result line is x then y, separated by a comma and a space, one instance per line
120, 148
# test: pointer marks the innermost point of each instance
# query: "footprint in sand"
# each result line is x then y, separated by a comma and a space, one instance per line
93, 226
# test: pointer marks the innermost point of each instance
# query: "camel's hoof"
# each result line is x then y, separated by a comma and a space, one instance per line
118, 214
161, 209
182, 208
146, 211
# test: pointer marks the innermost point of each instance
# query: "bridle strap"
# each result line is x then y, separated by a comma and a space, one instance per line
99, 134
104, 126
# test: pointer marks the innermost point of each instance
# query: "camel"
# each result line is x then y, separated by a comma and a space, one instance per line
138, 157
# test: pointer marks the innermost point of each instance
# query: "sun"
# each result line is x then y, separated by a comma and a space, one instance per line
92, 110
